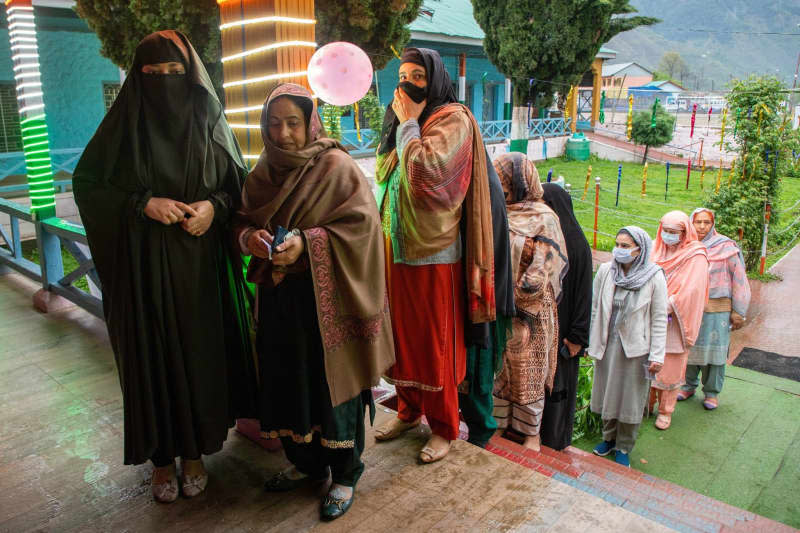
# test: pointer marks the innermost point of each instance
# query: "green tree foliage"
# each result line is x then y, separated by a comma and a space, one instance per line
672, 64
645, 134
369, 107
764, 144
551, 43
374, 25
121, 24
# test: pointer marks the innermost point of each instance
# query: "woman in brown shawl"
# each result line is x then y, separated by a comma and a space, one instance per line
539, 262
324, 334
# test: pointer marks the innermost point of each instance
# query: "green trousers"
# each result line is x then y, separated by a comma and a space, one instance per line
713, 378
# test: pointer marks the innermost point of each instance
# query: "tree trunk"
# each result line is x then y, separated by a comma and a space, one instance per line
644, 158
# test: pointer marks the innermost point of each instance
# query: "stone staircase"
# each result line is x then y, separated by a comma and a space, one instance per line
673, 506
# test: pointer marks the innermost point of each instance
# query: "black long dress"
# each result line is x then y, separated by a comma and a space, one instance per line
574, 314
174, 303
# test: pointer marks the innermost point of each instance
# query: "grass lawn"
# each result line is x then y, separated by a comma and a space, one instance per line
31, 253
745, 453
645, 212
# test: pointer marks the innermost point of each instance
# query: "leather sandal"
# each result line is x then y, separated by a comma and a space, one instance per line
395, 428
429, 455
663, 421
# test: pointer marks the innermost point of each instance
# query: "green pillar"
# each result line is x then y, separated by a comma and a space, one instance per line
35, 140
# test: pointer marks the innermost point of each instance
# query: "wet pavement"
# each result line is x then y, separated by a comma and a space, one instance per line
61, 426
773, 322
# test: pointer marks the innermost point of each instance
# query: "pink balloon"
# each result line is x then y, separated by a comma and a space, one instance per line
340, 73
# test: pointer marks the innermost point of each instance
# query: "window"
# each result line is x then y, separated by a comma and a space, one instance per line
10, 134
110, 92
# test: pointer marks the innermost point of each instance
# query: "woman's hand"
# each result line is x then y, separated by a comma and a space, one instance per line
167, 211
198, 224
574, 349
258, 242
288, 252
406, 108
655, 367
737, 320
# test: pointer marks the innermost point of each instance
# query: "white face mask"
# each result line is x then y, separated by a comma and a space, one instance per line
670, 239
623, 255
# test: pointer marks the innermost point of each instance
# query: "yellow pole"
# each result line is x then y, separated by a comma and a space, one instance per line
586, 185
702, 174
644, 180
719, 176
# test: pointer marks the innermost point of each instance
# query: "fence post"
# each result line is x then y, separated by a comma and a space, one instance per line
52, 270
764, 241
644, 180
688, 173
596, 209
586, 183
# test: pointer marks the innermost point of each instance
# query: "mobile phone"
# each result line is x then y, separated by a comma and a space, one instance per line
280, 236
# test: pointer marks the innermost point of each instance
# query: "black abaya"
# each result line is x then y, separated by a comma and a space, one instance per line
574, 314
174, 303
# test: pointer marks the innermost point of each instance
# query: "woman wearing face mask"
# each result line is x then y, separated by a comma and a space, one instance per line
539, 260
435, 202
324, 334
729, 297
156, 187
685, 263
627, 339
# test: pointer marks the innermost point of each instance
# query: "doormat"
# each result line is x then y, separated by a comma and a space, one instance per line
769, 363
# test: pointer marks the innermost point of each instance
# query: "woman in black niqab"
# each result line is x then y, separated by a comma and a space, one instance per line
574, 313
156, 187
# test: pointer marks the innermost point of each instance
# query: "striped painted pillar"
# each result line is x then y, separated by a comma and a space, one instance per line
35, 139
264, 43
507, 102
462, 78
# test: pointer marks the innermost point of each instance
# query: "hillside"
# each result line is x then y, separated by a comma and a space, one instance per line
728, 55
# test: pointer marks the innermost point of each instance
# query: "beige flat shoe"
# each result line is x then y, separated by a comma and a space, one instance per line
165, 492
395, 428
193, 484
428, 454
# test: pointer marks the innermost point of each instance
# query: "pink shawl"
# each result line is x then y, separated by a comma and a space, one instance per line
686, 268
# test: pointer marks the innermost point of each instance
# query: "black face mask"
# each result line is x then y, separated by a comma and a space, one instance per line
417, 94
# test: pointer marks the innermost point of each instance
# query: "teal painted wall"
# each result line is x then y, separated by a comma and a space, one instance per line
476, 67
73, 72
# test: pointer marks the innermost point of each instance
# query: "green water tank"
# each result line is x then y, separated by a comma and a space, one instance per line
578, 147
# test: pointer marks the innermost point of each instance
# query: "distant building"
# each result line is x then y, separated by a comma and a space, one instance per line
624, 75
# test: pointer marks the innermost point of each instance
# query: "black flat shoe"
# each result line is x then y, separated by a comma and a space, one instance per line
333, 508
280, 482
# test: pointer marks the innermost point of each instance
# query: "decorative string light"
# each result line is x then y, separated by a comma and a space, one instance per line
267, 48
35, 137
263, 20
260, 79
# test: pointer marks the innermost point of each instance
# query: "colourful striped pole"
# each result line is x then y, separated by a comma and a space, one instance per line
35, 138
619, 182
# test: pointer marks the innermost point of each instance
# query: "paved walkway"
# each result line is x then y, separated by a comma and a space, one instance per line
653, 154
61, 448
774, 321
